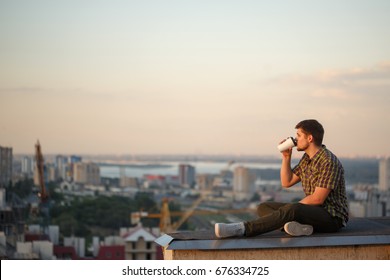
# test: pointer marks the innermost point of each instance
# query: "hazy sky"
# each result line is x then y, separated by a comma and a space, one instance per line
203, 77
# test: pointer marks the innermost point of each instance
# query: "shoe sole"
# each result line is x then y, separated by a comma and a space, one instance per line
216, 230
297, 229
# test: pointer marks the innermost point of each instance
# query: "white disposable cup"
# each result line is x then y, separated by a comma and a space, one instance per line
287, 144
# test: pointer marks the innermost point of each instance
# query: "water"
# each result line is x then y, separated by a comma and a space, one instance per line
172, 168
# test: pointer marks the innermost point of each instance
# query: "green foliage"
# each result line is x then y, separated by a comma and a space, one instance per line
255, 198
70, 226
53, 195
99, 212
22, 188
144, 201
78, 215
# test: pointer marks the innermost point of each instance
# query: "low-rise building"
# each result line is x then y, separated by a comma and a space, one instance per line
139, 243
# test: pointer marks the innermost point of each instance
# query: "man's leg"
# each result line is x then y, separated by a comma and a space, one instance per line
238, 229
315, 216
266, 208
274, 220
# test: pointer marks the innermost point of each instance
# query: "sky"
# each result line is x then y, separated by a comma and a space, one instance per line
193, 77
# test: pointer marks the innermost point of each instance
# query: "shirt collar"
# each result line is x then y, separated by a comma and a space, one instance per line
316, 156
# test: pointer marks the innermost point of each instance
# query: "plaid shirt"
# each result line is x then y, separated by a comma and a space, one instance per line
324, 170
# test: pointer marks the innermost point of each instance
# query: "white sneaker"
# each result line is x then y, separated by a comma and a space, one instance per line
297, 229
229, 230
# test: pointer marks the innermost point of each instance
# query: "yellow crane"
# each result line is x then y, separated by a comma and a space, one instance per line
165, 214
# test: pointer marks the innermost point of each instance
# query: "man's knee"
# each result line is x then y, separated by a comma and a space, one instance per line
260, 209
264, 208
262, 205
294, 209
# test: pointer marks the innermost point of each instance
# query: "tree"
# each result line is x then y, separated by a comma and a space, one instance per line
22, 188
255, 198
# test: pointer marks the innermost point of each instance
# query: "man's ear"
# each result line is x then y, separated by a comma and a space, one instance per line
310, 138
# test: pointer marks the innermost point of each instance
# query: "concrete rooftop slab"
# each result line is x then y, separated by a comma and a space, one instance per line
359, 231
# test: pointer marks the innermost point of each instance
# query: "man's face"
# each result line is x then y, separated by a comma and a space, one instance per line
302, 140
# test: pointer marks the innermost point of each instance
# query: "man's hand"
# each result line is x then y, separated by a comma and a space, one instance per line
287, 178
317, 198
287, 153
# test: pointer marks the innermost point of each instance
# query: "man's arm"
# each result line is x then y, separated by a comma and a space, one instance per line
287, 177
330, 175
317, 198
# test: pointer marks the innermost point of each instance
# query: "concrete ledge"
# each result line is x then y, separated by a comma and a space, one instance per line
363, 252
367, 238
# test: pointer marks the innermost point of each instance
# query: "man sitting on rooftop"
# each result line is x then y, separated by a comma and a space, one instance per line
323, 209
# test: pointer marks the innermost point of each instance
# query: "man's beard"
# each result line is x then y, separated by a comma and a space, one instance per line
301, 149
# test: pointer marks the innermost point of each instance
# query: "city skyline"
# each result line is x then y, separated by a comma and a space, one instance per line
194, 77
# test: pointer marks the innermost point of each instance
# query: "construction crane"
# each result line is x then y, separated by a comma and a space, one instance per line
43, 195
165, 215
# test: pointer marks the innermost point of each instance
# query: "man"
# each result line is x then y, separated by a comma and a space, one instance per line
324, 207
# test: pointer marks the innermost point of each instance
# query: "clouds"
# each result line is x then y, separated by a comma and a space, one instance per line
247, 118
353, 104
377, 74
338, 84
178, 77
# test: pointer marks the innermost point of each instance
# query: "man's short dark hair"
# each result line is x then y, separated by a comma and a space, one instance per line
314, 128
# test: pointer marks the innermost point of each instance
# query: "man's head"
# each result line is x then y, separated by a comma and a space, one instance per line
311, 128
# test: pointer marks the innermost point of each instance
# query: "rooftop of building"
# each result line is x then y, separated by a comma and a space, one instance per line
134, 234
359, 232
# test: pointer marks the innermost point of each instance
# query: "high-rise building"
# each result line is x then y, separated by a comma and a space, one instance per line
74, 159
384, 174
86, 173
49, 174
27, 165
2, 199
243, 183
186, 175
367, 202
205, 181
62, 166
52, 173
5, 166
